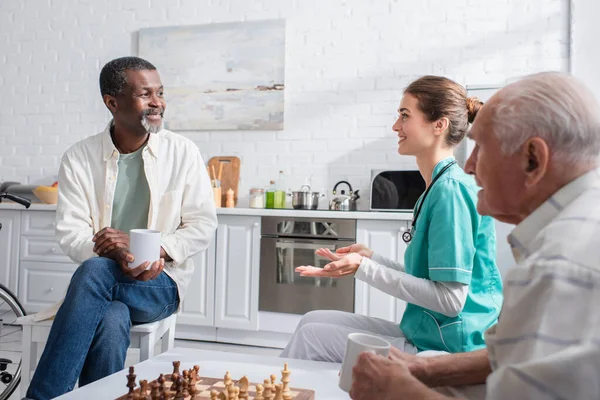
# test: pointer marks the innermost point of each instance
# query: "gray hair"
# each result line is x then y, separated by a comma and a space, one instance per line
553, 106
112, 77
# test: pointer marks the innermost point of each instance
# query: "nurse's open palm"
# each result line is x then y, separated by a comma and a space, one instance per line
347, 265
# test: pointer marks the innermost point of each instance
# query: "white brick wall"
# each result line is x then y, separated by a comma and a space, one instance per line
347, 62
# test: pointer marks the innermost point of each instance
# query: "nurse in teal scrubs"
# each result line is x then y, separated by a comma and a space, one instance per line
448, 277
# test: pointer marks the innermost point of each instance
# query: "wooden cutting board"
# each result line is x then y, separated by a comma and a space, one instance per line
230, 175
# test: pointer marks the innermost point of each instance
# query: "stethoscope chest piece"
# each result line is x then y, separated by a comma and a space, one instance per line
407, 236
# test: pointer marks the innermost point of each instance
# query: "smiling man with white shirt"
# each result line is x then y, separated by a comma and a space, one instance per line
536, 159
134, 174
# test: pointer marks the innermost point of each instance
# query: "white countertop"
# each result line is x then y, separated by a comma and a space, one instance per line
376, 215
9, 205
286, 212
321, 377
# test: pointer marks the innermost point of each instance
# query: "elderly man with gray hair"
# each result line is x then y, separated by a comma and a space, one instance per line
536, 160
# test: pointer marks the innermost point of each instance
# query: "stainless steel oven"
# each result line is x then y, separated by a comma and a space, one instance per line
288, 242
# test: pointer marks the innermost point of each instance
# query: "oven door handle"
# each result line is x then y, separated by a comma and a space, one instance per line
309, 244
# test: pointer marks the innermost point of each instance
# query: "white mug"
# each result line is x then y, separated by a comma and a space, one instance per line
144, 244
358, 343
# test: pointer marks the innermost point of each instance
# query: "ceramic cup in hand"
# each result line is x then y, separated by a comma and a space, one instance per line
144, 244
358, 343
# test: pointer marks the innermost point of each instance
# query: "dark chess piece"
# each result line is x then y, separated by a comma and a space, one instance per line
176, 365
184, 384
179, 385
143, 392
155, 392
144, 387
131, 383
161, 382
192, 384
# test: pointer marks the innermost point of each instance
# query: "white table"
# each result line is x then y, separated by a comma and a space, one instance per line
321, 377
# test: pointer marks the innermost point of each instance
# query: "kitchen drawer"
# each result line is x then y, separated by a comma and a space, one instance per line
42, 284
38, 223
39, 248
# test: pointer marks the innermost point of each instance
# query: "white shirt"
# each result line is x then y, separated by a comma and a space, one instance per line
546, 343
181, 200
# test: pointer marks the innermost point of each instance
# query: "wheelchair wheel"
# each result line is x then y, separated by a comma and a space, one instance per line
10, 342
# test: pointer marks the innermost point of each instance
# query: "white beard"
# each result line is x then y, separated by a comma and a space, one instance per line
151, 128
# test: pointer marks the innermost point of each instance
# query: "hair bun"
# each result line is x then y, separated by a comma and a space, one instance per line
473, 107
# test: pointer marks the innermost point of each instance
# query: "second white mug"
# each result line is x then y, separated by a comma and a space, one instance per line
358, 343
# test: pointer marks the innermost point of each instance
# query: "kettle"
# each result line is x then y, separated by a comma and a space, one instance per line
344, 202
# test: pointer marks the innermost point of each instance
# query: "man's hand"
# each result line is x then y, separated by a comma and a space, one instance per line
123, 257
346, 265
416, 365
376, 377
107, 240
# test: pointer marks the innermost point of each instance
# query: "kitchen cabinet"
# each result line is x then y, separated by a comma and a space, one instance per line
384, 238
9, 248
41, 284
198, 307
44, 269
237, 272
222, 300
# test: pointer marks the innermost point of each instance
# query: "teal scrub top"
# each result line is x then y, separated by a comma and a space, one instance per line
453, 243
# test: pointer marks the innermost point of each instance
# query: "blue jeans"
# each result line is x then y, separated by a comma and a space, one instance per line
90, 333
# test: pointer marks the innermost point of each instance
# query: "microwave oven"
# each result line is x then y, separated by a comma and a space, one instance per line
395, 190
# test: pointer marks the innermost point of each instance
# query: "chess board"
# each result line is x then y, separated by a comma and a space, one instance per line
204, 386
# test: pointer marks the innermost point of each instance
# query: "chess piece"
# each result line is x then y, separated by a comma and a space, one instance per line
176, 365
194, 378
230, 203
230, 391
143, 386
161, 382
273, 380
244, 383
267, 393
213, 395
236, 393
179, 388
155, 391
227, 380
196, 372
131, 383
192, 384
259, 392
285, 379
184, 384
278, 388
222, 396
143, 394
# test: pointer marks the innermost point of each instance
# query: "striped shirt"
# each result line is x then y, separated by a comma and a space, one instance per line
546, 343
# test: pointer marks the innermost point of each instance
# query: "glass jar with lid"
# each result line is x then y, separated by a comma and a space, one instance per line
257, 198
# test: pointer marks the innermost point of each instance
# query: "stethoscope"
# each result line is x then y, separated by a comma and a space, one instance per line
407, 236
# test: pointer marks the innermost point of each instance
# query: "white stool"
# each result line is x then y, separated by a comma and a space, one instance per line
143, 337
